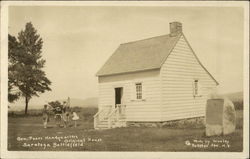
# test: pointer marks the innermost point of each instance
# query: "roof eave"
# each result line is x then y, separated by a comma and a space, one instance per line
112, 74
107, 60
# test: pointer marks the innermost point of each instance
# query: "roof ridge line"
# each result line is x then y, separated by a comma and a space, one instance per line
144, 39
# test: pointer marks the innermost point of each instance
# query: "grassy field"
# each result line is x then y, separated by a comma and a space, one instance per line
27, 133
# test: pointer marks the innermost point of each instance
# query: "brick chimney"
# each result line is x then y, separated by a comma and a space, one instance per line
175, 28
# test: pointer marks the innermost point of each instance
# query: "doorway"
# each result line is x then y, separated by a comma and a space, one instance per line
118, 95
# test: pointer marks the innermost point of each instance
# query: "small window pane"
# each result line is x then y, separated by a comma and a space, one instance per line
138, 90
196, 87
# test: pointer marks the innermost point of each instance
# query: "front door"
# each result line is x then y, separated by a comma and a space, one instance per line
118, 96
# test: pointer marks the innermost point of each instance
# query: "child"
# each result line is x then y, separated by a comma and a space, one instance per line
45, 116
75, 118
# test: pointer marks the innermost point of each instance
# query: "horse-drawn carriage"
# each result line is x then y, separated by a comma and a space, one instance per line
61, 112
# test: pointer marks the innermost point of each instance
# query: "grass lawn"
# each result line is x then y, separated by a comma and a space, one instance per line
27, 133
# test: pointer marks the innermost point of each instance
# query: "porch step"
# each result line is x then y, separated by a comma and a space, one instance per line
116, 115
103, 124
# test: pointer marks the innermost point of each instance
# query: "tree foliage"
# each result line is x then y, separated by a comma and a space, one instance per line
14, 52
27, 64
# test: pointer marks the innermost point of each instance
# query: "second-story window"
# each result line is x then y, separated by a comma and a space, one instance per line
196, 88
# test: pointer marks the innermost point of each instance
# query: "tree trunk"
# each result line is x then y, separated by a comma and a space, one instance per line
26, 104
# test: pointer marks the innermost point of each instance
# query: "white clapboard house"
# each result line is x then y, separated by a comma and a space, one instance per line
158, 79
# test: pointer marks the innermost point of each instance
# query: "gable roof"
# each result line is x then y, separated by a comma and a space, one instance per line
139, 55
142, 55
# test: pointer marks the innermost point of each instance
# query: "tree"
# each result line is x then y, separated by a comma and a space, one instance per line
31, 80
14, 51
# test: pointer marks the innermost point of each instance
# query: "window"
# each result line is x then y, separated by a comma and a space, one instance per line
196, 88
138, 90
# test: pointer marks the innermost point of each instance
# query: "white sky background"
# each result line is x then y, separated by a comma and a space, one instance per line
78, 41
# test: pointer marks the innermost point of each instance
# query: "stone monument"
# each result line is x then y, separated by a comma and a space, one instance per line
220, 117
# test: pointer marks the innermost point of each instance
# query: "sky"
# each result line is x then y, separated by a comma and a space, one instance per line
79, 39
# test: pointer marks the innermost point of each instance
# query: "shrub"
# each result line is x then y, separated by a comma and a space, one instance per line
238, 105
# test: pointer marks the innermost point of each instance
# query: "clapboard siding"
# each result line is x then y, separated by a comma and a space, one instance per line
177, 75
147, 109
167, 92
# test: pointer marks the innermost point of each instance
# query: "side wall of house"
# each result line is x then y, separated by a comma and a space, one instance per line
177, 78
147, 109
